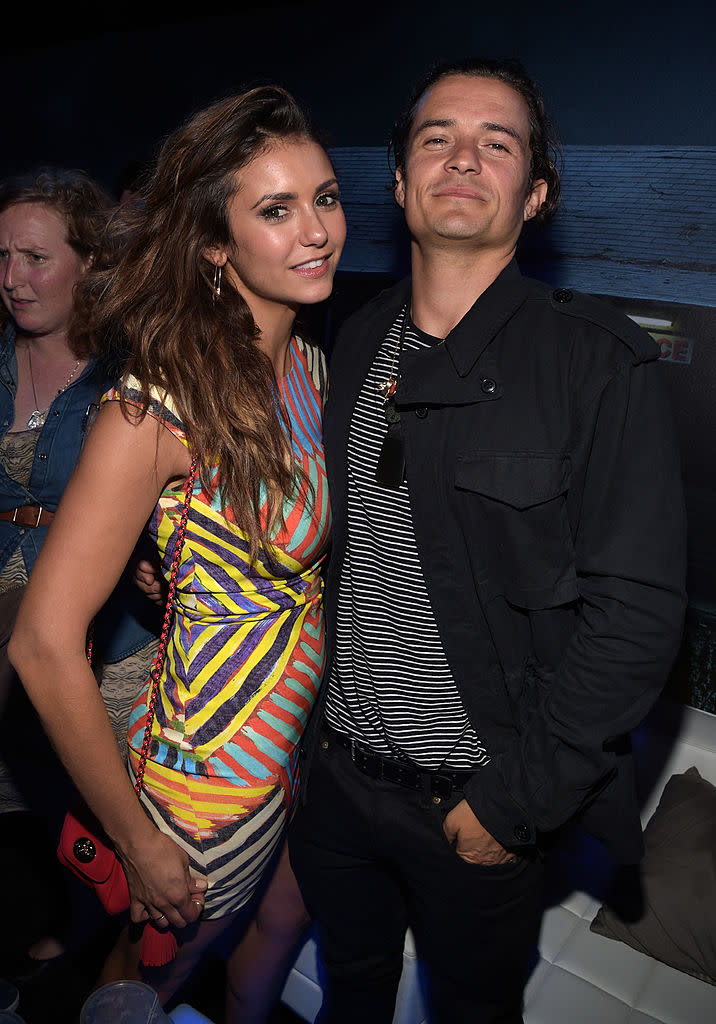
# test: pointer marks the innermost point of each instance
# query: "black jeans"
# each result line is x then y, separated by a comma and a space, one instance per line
371, 859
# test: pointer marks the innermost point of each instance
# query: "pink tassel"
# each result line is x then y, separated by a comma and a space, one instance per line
157, 948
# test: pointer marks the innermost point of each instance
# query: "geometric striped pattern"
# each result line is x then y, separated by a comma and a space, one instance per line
244, 661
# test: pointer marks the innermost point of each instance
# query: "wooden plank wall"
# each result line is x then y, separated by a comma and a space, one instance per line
634, 222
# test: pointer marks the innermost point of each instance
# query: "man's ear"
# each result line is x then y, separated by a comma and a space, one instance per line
399, 189
537, 196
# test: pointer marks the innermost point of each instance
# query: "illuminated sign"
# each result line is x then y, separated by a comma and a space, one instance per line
675, 348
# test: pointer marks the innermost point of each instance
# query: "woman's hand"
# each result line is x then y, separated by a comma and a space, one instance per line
161, 886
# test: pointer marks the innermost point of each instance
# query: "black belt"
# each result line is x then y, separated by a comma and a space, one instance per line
441, 784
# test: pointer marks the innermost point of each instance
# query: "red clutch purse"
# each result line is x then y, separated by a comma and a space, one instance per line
83, 847
93, 861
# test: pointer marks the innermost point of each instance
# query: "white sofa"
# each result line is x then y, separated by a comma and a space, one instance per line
580, 976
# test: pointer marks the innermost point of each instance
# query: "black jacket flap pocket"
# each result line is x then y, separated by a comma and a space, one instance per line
519, 479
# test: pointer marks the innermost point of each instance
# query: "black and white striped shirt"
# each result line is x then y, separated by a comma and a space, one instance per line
391, 687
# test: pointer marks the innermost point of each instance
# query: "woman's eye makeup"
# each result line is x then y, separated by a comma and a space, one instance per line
274, 212
331, 198
277, 212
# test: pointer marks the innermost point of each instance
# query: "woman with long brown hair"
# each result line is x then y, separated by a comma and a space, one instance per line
239, 225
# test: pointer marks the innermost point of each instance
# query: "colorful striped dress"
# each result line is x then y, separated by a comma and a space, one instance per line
244, 662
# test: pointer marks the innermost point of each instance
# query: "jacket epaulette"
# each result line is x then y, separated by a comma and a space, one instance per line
586, 307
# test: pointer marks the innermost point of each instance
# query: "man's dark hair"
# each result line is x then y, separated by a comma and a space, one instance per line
545, 148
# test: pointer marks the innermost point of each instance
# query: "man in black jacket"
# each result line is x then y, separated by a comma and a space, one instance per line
506, 588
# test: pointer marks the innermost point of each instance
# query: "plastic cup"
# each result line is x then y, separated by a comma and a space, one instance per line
124, 1002
9, 996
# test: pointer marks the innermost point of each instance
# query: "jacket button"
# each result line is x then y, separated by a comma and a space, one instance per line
42, 455
562, 295
522, 833
488, 386
421, 412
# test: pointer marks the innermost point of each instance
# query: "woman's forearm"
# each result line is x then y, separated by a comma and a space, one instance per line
75, 719
104, 508
74, 716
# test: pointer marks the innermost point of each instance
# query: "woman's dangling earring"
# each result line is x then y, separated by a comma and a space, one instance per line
217, 282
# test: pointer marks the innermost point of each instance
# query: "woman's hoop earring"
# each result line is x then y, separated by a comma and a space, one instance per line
217, 282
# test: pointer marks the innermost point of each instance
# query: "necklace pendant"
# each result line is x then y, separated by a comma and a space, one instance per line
36, 420
387, 388
390, 469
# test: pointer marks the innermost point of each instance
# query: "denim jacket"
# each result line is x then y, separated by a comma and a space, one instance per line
128, 621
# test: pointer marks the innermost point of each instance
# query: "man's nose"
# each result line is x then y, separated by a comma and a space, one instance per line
464, 157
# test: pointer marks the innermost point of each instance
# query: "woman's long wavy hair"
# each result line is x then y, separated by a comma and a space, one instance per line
151, 307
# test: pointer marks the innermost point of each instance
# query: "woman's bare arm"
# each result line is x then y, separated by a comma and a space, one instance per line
120, 474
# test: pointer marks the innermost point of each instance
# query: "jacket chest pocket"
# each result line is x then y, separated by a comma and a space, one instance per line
516, 504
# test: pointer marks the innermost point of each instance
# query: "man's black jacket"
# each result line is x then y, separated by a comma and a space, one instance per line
545, 488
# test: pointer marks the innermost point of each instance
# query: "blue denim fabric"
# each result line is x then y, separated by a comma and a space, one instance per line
126, 623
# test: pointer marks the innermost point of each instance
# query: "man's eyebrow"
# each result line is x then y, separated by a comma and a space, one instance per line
490, 126
435, 122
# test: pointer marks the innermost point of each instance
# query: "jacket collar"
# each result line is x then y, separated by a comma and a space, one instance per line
443, 374
468, 340
7, 338
8, 364
429, 376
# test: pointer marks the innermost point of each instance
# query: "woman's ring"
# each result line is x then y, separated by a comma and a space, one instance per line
161, 917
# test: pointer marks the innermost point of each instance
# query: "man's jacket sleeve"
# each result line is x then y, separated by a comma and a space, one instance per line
628, 523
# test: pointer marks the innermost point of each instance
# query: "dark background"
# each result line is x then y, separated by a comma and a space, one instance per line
97, 89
